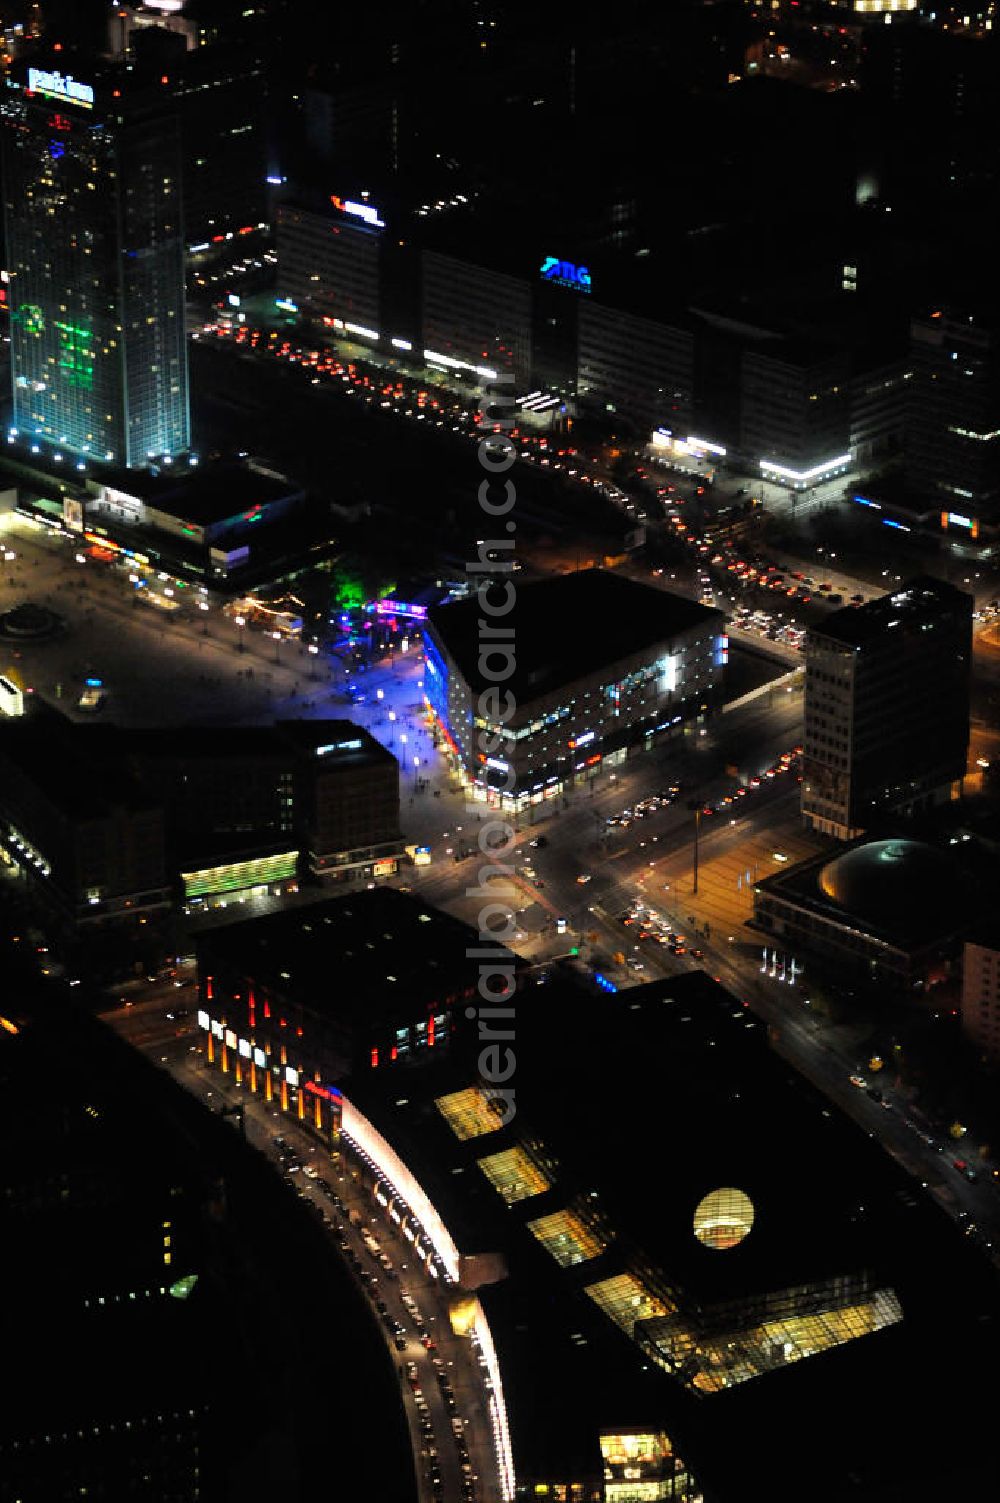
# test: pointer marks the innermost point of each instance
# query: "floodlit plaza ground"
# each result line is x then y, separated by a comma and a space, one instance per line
731, 858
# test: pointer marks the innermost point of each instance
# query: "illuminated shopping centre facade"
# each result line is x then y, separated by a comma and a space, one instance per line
623, 1280
291, 1003
601, 667
715, 1287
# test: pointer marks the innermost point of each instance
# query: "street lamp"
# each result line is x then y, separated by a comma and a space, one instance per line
240, 624
277, 638
416, 764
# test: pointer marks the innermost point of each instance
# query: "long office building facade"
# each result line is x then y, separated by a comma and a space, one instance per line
579, 341
95, 247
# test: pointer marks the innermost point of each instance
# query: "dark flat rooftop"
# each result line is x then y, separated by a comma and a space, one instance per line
569, 626
44, 742
370, 954
338, 743
204, 493
918, 601
701, 1101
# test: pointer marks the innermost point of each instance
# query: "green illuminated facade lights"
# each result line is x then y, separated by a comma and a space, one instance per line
33, 319
76, 355
241, 874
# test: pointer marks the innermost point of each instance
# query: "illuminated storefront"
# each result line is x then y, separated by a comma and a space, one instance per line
800, 480
642, 1466
262, 1066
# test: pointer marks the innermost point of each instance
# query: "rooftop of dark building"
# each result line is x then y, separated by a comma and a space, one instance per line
907, 892
570, 626
641, 1104
370, 955
917, 602
205, 493
113, 758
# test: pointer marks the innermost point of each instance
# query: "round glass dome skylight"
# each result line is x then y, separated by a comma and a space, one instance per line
723, 1219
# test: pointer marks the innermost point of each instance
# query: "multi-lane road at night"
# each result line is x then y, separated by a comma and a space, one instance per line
441, 1382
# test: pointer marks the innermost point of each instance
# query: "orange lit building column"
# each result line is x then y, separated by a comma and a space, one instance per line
211, 1047
268, 1091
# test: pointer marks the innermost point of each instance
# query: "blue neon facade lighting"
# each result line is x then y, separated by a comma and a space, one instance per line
604, 983
436, 681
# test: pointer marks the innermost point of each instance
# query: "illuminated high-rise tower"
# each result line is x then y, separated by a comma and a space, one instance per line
95, 255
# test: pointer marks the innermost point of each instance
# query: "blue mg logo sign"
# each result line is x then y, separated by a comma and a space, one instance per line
566, 274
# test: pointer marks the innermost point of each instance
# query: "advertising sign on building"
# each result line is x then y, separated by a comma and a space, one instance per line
11, 696
565, 274
64, 87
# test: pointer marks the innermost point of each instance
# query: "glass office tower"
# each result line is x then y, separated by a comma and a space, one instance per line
95, 255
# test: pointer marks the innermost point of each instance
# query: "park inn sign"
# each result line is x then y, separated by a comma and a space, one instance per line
60, 86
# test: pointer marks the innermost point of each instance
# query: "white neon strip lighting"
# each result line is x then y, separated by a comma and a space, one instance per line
766, 468
459, 365
497, 1407
703, 443
392, 1168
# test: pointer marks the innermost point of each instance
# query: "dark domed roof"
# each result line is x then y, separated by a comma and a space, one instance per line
900, 883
